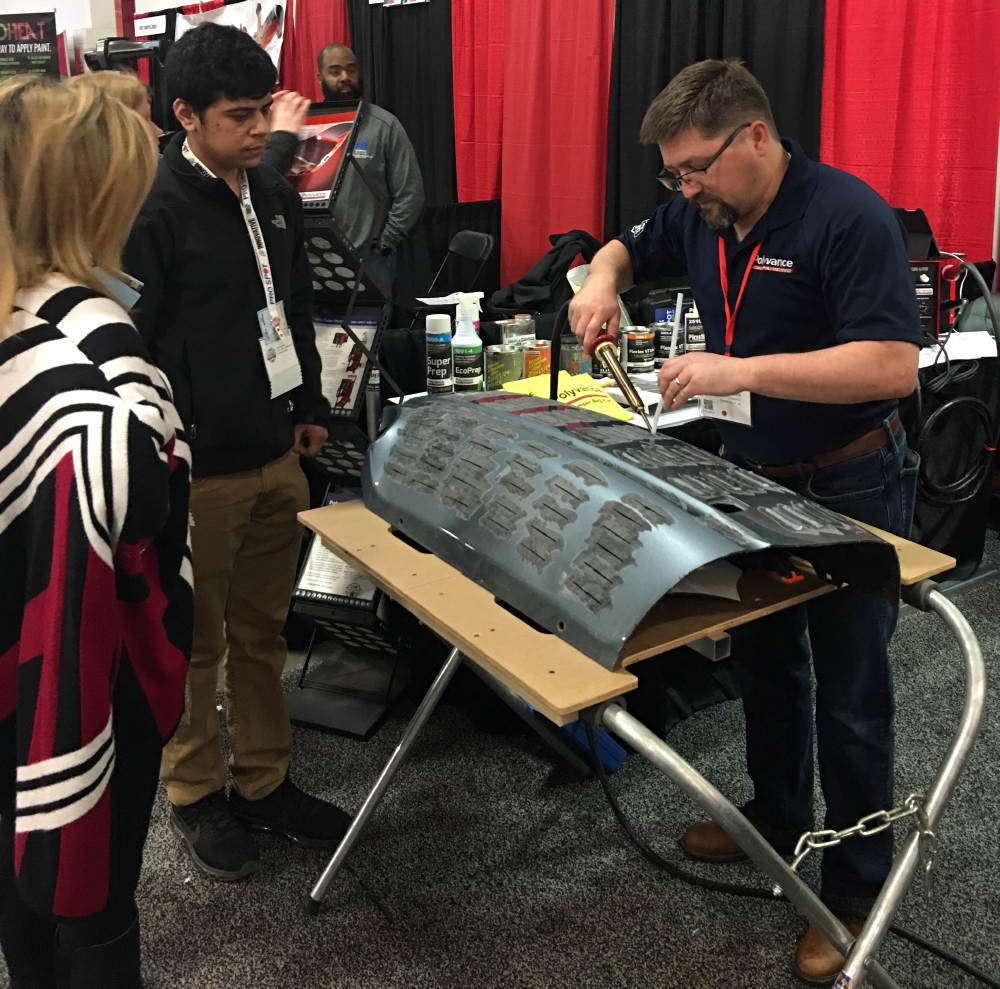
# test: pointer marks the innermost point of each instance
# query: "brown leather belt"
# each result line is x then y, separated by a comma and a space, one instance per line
868, 443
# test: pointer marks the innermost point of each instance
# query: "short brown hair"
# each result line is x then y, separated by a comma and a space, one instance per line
76, 165
127, 88
710, 97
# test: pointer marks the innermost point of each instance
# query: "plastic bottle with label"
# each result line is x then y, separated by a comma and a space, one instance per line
467, 347
694, 332
439, 357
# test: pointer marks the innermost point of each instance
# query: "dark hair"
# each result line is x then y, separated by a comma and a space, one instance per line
213, 62
321, 54
711, 97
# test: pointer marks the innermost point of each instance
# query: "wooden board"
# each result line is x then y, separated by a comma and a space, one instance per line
916, 562
548, 673
678, 619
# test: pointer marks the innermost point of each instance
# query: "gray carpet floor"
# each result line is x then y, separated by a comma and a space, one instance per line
489, 867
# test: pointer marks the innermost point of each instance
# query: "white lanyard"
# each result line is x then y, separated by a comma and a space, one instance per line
249, 217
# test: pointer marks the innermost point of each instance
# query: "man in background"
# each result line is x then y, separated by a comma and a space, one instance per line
382, 149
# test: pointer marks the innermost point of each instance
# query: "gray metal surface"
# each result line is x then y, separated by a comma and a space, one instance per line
583, 523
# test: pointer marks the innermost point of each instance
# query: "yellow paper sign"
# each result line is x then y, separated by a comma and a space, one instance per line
574, 389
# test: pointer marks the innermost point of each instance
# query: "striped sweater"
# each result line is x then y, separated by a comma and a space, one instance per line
95, 568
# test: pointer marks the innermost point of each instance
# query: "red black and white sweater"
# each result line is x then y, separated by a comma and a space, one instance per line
95, 568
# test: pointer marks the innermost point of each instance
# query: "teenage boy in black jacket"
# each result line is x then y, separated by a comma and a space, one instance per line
226, 311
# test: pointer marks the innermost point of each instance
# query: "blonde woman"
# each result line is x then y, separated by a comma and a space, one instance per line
128, 88
95, 595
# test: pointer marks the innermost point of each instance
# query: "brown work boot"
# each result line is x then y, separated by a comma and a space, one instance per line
707, 842
817, 962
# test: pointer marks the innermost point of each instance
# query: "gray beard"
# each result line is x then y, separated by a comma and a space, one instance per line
722, 218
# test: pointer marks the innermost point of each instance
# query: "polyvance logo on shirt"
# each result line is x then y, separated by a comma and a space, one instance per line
781, 265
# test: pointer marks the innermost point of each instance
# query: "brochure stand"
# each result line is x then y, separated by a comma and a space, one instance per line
352, 674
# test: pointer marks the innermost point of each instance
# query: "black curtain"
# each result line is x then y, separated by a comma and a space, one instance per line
405, 58
781, 42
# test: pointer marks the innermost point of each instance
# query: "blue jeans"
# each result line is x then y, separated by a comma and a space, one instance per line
849, 634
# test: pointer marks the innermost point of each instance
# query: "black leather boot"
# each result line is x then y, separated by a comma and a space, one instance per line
113, 965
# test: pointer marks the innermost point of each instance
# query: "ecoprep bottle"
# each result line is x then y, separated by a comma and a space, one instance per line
467, 347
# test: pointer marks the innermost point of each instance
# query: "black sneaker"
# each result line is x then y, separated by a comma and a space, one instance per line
218, 844
288, 811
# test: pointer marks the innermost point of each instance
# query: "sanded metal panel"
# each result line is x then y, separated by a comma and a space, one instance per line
583, 523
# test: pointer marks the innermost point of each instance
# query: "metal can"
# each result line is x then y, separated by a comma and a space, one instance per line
537, 358
637, 350
525, 324
509, 332
503, 363
663, 332
573, 358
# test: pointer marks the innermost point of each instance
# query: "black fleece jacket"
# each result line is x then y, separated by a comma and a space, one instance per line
199, 304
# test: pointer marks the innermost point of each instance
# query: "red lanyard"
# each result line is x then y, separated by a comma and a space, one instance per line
724, 277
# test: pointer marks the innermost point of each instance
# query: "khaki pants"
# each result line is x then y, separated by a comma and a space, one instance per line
245, 543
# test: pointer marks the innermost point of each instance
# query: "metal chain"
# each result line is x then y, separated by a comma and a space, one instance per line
869, 825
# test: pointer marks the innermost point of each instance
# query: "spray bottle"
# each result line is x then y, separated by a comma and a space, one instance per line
438, 340
467, 347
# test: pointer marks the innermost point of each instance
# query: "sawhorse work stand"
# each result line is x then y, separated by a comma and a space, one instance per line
564, 684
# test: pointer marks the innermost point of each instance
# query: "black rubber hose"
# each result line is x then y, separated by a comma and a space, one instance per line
968, 486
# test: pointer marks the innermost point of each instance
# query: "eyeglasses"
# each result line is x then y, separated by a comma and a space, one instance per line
669, 178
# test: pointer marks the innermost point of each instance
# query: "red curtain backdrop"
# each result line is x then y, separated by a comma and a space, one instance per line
912, 106
477, 67
556, 82
309, 26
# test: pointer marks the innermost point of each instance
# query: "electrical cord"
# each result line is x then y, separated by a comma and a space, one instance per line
732, 889
966, 487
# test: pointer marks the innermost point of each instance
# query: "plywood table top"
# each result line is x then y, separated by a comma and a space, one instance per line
551, 675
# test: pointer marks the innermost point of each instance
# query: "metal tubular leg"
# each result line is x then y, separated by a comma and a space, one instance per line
903, 868
738, 827
373, 799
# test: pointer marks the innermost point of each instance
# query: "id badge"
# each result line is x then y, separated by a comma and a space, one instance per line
278, 349
732, 408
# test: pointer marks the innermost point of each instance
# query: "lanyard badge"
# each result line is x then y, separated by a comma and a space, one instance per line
732, 408
276, 345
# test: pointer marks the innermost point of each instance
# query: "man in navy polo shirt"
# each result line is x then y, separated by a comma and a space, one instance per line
801, 279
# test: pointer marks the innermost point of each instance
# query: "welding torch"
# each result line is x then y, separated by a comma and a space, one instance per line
605, 347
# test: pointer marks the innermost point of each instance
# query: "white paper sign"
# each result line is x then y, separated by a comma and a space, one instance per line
961, 347
145, 27
325, 573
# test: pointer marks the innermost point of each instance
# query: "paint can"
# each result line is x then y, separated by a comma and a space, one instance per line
525, 324
663, 331
638, 352
573, 358
509, 331
537, 358
503, 363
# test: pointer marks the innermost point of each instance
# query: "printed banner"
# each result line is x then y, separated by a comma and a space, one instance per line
265, 21
28, 43
322, 139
